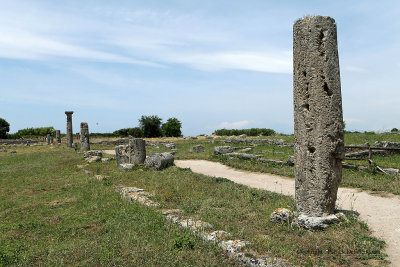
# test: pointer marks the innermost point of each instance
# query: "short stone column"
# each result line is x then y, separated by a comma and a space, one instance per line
137, 151
70, 139
318, 119
48, 140
85, 145
58, 136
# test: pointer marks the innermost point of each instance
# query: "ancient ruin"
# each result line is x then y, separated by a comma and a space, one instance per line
133, 153
137, 151
318, 119
85, 145
58, 136
69, 128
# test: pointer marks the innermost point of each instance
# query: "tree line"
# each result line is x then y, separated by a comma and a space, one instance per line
149, 126
248, 132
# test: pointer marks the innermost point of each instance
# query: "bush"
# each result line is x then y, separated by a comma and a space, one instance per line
135, 132
35, 132
151, 126
4, 128
394, 130
249, 132
172, 128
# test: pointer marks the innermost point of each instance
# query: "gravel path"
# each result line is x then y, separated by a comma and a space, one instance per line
382, 214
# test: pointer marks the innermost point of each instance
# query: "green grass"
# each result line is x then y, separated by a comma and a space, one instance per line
55, 214
366, 180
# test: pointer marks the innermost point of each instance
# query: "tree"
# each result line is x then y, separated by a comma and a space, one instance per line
172, 128
151, 126
4, 128
135, 132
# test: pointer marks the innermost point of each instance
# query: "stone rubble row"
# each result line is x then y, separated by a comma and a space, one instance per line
200, 228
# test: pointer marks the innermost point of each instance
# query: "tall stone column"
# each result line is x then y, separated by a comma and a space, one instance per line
58, 136
85, 145
137, 153
318, 119
70, 139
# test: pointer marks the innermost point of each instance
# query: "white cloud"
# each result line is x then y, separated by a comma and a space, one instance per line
236, 60
135, 36
24, 45
233, 125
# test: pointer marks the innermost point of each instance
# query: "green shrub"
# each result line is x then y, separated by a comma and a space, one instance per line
151, 126
135, 132
4, 128
35, 132
172, 128
249, 132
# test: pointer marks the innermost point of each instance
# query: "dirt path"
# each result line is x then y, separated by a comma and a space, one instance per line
382, 214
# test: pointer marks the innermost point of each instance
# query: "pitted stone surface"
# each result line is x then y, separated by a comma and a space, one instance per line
92, 153
134, 152
219, 150
137, 151
315, 223
318, 119
85, 144
70, 138
122, 154
58, 136
233, 246
159, 161
215, 235
281, 215
126, 166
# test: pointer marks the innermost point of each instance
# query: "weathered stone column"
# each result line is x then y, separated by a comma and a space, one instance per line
318, 119
58, 136
48, 139
85, 145
137, 151
70, 139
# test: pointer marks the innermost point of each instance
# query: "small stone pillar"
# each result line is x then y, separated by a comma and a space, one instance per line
137, 151
70, 139
48, 139
85, 145
318, 119
58, 136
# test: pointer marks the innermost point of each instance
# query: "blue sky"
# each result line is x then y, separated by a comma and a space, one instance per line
211, 64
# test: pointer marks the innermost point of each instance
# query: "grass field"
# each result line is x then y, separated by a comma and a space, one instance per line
366, 180
55, 214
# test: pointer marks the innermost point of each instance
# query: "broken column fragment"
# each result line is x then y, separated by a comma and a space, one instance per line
85, 145
69, 128
137, 150
58, 136
318, 119
133, 153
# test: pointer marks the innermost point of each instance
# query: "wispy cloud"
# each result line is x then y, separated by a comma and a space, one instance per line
236, 60
137, 36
